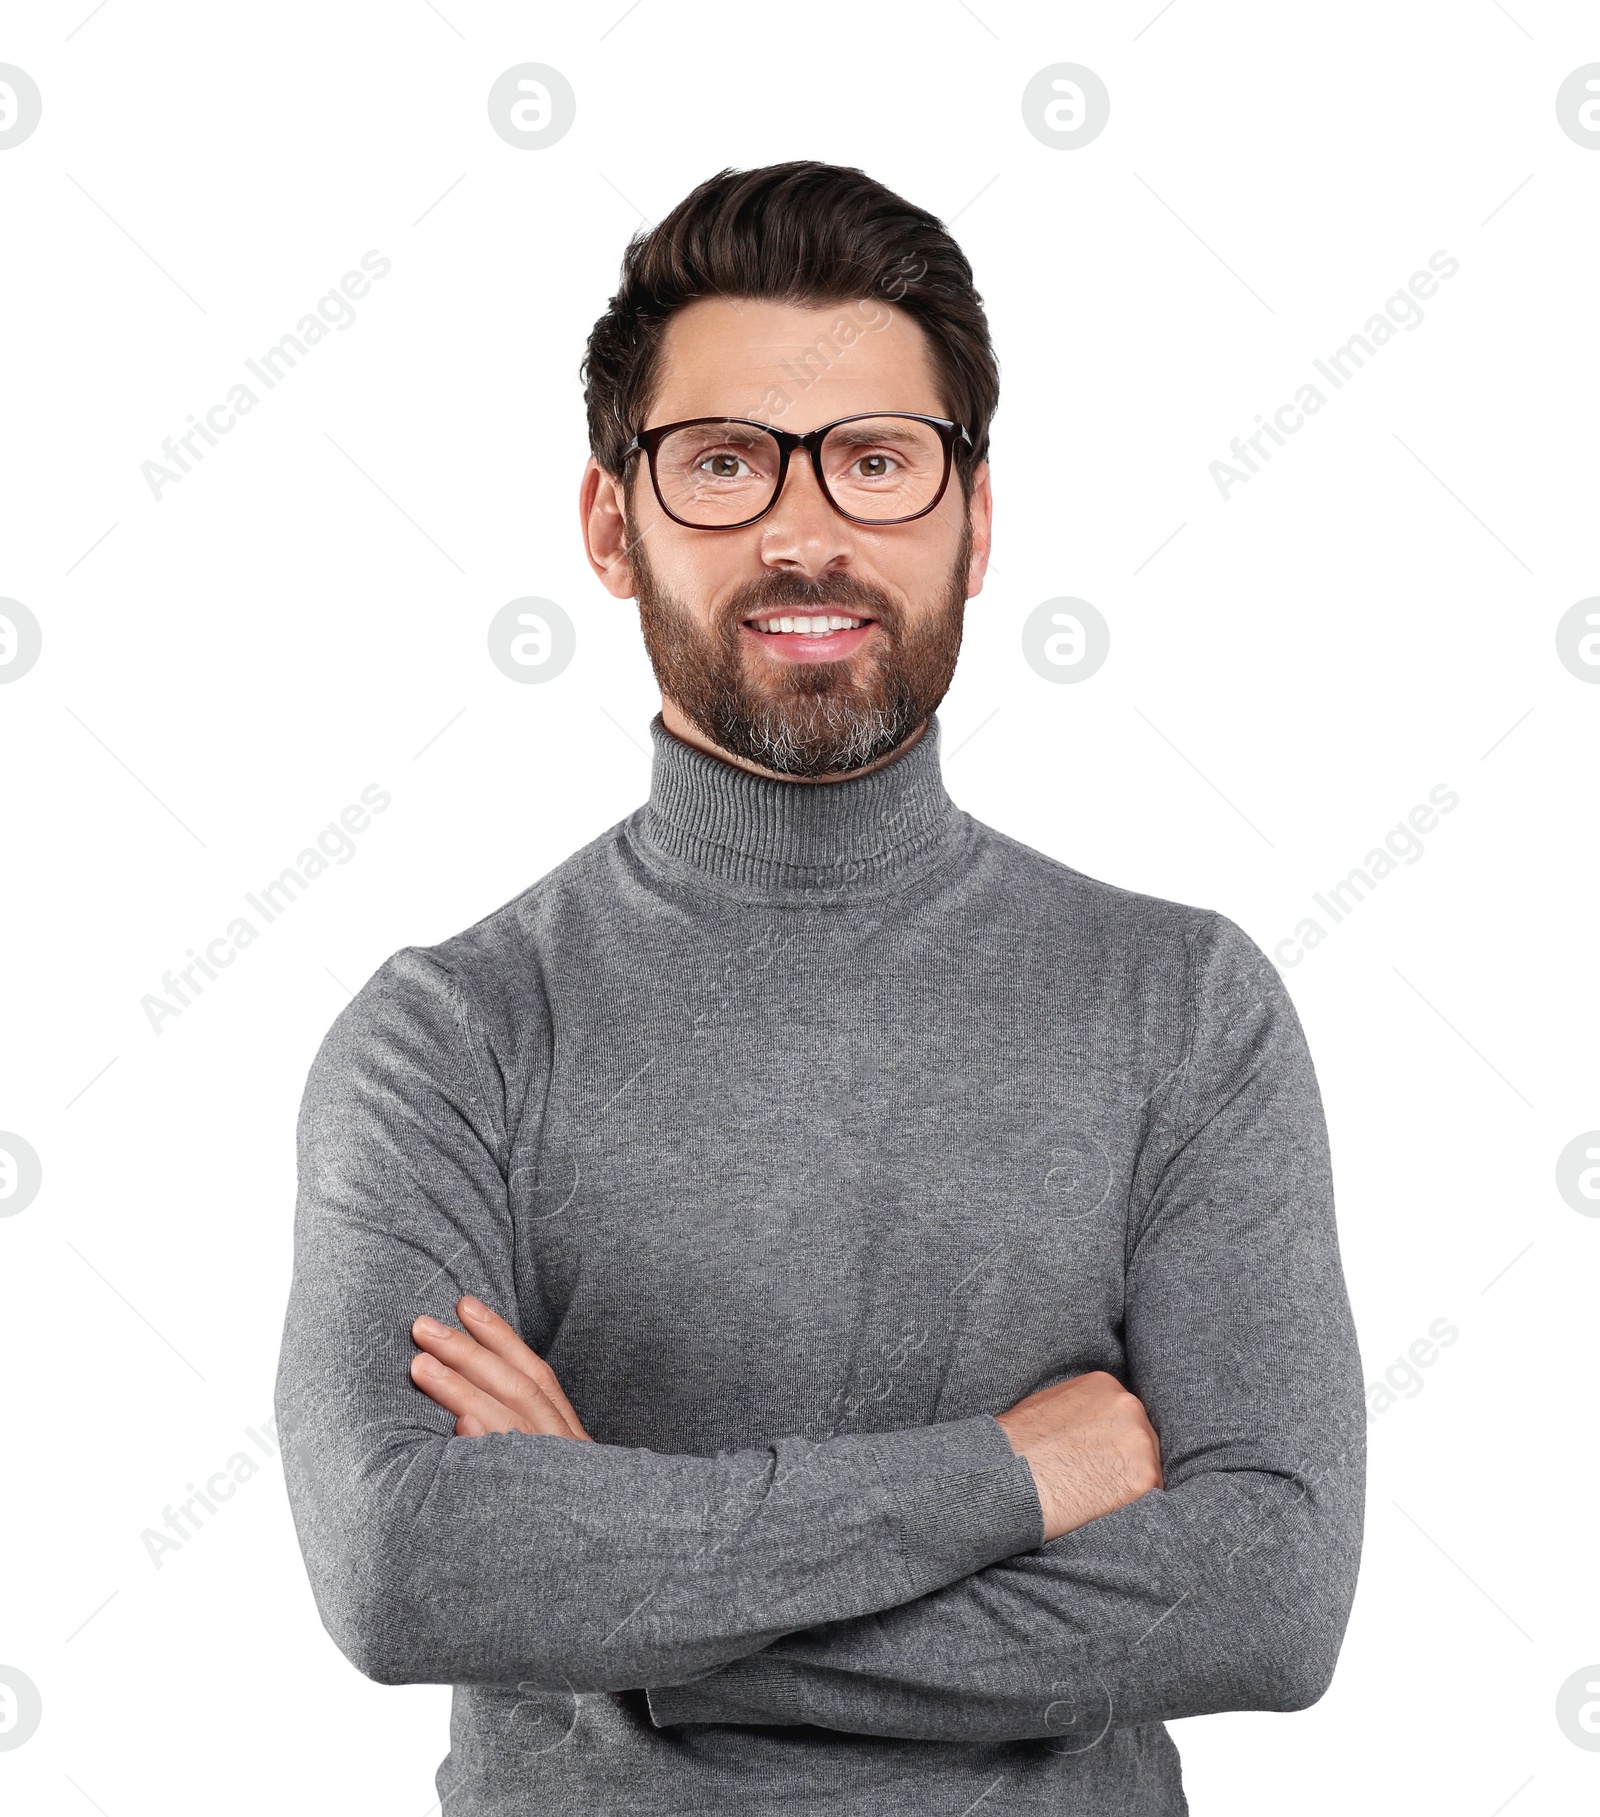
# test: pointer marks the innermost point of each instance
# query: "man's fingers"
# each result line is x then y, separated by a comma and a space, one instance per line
482, 1369
495, 1334
457, 1395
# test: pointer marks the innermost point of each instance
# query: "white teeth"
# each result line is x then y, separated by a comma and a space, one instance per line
810, 627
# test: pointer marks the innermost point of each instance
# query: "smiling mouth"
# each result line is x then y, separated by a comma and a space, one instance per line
805, 624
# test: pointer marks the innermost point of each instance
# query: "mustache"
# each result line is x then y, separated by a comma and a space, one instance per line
842, 593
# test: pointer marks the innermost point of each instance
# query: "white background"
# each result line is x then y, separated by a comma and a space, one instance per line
1372, 615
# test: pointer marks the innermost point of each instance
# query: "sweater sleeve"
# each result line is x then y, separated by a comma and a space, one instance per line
1229, 1588
553, 1563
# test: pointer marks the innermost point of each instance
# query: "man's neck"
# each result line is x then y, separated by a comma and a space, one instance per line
682, 727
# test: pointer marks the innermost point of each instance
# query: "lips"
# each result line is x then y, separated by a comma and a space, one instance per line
803, 624
808, 636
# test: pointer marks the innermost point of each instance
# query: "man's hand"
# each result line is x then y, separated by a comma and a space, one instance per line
488, 1378
1089, 1445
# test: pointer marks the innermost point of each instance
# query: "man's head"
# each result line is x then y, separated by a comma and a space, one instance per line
793, 297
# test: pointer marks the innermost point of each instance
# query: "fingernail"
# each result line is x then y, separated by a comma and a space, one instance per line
432, 1328
474, 1308
427, 1365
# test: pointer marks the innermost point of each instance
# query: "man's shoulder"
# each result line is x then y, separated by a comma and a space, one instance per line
1123, 943
1036, 886
503, 945
494, 968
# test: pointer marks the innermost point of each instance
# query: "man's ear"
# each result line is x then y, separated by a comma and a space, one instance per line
601, 512
980, 514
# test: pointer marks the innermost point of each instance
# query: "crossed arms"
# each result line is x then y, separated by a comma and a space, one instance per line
953, 1582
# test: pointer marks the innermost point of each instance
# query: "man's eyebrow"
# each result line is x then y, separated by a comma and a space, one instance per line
875, 431
726, 429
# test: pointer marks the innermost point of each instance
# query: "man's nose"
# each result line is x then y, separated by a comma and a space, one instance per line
803, 532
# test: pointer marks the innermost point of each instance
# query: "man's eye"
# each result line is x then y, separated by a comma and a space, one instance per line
724, 466
873, 466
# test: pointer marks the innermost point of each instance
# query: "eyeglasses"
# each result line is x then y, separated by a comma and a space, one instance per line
726, 472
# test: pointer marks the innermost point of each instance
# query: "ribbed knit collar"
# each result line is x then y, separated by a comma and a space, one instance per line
797, 841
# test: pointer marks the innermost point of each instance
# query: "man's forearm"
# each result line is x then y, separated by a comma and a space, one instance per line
1230, 1592
529, 1558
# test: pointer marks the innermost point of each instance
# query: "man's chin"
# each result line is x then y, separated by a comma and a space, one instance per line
811, 735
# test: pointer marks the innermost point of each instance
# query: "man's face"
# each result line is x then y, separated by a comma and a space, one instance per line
793, 703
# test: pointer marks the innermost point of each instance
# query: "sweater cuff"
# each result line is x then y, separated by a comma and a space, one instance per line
965, 1499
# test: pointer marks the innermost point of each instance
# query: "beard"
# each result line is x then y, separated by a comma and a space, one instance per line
804, 719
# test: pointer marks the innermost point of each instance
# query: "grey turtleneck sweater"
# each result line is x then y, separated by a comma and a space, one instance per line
803, 1128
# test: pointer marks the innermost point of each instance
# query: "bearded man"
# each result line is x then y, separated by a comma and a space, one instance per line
815, 1305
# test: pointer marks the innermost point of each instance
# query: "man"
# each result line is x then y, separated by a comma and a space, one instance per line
815, 1306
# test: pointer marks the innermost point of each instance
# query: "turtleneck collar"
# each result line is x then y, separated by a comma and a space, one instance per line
797, 841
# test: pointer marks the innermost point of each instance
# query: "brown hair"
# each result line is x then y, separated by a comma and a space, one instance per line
794, 233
